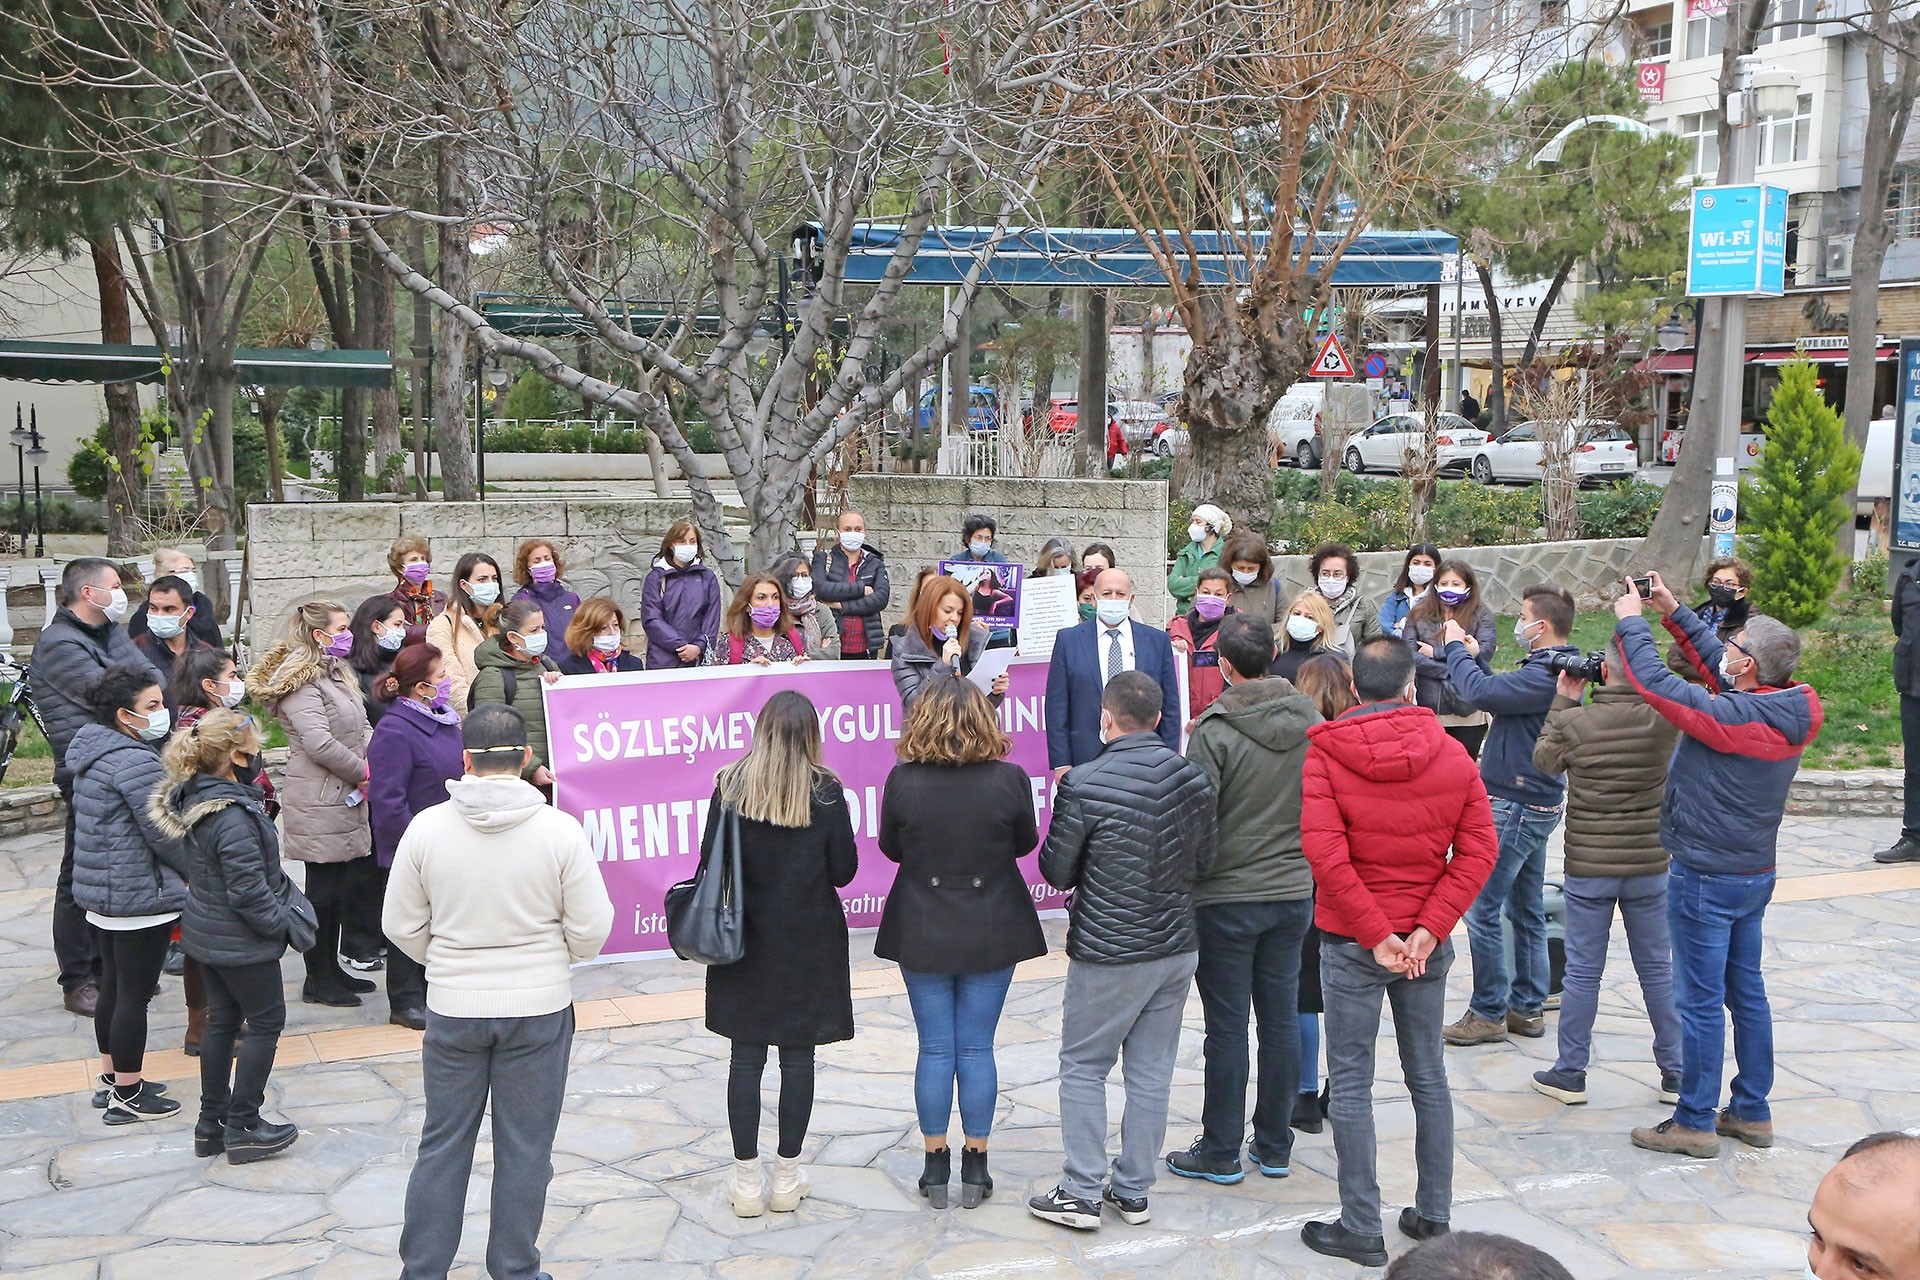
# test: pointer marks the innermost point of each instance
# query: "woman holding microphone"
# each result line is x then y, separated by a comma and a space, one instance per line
932, 650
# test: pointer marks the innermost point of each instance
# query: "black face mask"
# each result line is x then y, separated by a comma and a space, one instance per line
1722, 596
249, 772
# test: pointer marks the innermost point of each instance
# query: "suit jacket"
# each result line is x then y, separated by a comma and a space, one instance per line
1074, 686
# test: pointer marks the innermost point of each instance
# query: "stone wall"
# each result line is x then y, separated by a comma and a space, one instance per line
1586, 568
915, 521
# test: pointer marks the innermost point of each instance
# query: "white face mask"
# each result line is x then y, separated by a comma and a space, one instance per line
851, 542
165, 626
1244, 577
1301, 628
1521, 628
391, 639
156, 726
800, 588
684, 552
191, 578
1112, 612
1419, 574
484, 592
607, 643
534, 645
236, 694
1727, 675
1332, 588
116, 606
1197, 532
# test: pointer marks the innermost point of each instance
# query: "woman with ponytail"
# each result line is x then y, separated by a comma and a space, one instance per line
414, 753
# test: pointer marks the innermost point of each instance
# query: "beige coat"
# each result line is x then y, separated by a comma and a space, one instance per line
319, 705
457, 639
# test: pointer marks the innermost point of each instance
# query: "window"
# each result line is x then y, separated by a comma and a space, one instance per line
1701, 131
1903, 202
1706, 29
1788, 20
1468, 20
1784, 138
1656, 41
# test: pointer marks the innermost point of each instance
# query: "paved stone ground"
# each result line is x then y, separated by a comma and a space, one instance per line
643, 1143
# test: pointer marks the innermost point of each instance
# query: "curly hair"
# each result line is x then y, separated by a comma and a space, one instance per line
952, 723
118, 687
210, 742
523, 572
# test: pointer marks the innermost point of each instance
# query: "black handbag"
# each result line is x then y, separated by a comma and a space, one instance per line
303, 922
706, 920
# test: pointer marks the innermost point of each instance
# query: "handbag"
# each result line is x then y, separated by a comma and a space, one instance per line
303, 922
706, 919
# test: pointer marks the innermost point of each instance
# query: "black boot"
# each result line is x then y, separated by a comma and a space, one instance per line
938, 1173
1307, 1116
210, 1135
264, 1139
975, 1184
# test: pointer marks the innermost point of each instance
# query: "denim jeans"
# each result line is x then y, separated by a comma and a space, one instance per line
1354, 984
1643, 910
1716, 964
955, 1015
1516, 886
1250, 962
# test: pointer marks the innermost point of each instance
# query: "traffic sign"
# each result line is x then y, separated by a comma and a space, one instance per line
1375, 365
1332, 361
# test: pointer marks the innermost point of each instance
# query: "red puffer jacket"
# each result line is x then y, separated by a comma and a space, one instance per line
1385, 793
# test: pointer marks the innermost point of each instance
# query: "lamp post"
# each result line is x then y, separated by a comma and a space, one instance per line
35, 452
493, 374
20, 459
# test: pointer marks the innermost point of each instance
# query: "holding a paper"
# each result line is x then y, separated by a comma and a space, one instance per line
943, 642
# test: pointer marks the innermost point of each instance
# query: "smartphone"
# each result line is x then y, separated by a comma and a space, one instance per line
1644, 587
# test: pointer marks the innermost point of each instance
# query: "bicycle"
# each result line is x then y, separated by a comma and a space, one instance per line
16, 705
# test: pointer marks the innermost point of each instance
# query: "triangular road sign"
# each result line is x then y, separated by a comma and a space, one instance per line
1332, 361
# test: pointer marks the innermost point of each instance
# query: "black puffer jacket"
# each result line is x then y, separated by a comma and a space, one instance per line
237, 899
1132, 829
124, 864
66, 658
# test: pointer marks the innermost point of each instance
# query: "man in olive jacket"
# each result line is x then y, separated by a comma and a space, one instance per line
1614, 751
1253, 905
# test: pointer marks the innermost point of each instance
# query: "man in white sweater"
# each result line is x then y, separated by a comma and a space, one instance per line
497, 895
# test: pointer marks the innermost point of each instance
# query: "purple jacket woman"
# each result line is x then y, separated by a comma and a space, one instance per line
678, 607
558, 604
414, 753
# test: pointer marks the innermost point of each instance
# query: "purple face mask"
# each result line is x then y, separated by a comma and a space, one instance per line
544, 573
443, 691
764, 615
1450, 597
1210, 608
340, 645
417, 572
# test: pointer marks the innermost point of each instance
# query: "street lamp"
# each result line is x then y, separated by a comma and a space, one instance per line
1673, 332
19, 436
35, 453
490, 372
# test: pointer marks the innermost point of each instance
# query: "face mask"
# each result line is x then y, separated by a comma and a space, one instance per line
979, 549
1451, 598
609, 643
116, 606
1197, 532
1521, 629
417, 572
236, 693
391, 639
1112, 612
764, 615
851, 542
1211, 608
1332, 588
534, 645
800, 588
545, 573
191, 578
1419, 574
1727, 674
247, 769
443, 691
1087, 611
155, 726
684, 552
340, 645
484, 592
1302, 629
1722, 596
166, 626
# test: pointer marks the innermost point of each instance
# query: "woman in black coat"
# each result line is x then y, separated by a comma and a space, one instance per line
792, 986
959, 916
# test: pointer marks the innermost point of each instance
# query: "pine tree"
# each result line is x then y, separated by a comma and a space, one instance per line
1795, 500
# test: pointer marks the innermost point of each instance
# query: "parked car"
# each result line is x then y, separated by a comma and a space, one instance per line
1876, 466
1603, 450
983, 409
1170, 438
1392, 441
1293, 427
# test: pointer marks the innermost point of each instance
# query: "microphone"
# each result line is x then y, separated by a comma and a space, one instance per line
953, 633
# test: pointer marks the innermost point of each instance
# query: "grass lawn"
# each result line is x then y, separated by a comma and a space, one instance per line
32, 764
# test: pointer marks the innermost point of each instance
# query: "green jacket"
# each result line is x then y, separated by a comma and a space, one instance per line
1252, 744
492, 662
1614, 751
1356, 620
1184, 579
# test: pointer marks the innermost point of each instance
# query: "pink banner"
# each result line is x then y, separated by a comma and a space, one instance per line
634, 758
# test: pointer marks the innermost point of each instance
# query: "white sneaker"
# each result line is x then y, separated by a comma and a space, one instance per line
790, 1185
747, 1189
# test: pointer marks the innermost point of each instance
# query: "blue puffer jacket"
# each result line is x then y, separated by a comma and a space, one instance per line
1738, 752
1519, 701
124, 864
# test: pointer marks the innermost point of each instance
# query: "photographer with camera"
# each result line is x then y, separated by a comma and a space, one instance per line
1740, 745
1526, 809
1614, 750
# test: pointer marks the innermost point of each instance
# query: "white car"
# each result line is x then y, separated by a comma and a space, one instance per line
1293, 428
1391, 442
1604, 451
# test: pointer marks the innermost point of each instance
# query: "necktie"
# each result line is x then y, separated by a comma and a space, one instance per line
1115, 662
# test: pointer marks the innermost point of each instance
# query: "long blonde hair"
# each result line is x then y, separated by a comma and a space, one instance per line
206, 745
308, 618
1322, 613
776, 780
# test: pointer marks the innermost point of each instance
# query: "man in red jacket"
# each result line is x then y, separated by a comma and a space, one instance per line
1385, 795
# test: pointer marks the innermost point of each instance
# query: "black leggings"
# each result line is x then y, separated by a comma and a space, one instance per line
129, 970
743, 1097
1469, 736
233, 1087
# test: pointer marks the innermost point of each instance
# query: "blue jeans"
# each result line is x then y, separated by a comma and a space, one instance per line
1643, 911
1517, 886
955, 1015
1250, 963
1716, 964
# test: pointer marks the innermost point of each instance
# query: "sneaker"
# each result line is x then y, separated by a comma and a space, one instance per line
1569, 1087
122, 1109
1335, 1241
1192, 1164
362, 964
1755, 1133
1670, 1089
1530, 1025
1415, 1227
1069, 1211
1905, 849
105, 1091
244, 1146
1132, 1209
1672, 1138
1307, 1115
1270, 1166
1474, 1029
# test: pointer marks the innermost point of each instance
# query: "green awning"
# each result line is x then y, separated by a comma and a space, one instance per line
257, 366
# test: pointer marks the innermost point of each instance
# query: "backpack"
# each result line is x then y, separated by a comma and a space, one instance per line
510, 682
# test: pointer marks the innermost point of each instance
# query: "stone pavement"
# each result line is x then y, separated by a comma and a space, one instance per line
643, 1144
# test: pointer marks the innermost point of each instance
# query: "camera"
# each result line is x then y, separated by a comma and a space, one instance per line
1584, 666
1643, 587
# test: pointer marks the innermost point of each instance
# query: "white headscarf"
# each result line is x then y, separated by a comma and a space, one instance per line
1214, 518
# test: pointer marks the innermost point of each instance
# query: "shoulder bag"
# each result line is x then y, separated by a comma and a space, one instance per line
706, 920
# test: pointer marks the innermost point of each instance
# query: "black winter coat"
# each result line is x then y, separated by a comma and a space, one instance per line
67, 658
959, 903
832, 584
1906, 625
1132, 829
123, 863
237, 894
793, 986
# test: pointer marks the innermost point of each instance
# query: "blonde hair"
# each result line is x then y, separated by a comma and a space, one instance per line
409, 544
1322, 613
776, 780
312, 616
206, 745
593, 616
952, 723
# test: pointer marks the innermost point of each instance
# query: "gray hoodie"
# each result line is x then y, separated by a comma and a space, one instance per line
1252, 742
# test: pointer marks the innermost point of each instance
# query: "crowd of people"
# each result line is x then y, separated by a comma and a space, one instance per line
1296, 832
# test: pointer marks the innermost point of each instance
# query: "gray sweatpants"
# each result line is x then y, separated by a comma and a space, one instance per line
522, 1063
1352, 984
1130, 1012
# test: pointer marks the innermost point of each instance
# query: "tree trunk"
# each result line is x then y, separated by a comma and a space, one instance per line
1540, 316
1430, 367
450, 346
1043, 366
1091, 429
126, 478
272, 400
1496, 349
420, 340
1232, 383
374, 327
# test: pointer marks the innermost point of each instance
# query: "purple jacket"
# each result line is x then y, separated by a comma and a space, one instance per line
558, 604
411, 757
679, 606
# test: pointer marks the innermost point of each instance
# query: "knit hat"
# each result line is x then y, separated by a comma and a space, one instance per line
1214, 518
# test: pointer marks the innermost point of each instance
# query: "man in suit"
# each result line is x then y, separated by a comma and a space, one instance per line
1086, 656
